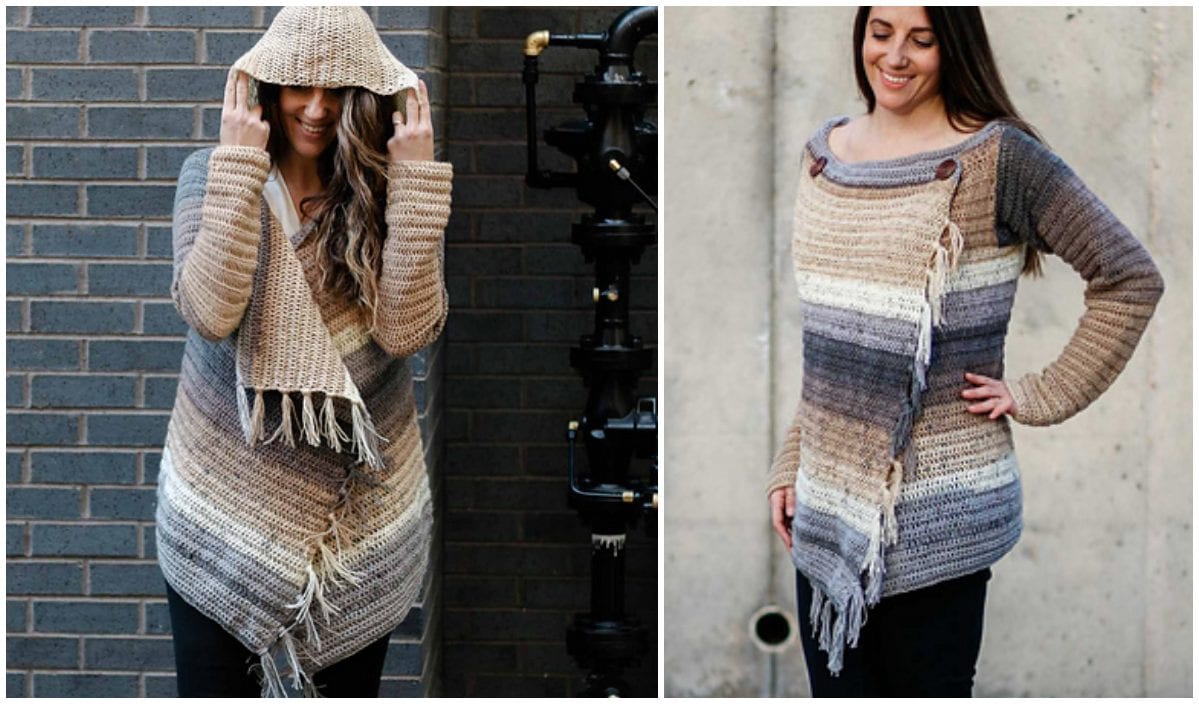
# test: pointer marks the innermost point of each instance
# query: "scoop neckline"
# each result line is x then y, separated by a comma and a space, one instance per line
911, 168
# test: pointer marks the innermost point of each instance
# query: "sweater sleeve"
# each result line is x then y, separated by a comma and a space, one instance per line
215, 233
412, 299
786, 461
1042, 203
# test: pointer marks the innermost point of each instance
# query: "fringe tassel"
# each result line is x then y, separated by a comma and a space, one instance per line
365, 437
311, 434
837, 627
289, 413
814, 610
272, 681
243, 413
256, 431
333, 429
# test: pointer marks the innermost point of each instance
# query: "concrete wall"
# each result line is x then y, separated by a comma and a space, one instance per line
1095, 600
103, 105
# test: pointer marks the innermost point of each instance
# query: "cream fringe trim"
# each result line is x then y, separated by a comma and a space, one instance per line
326, 566
314, 427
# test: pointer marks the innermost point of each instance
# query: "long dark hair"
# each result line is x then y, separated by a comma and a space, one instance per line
350, 209
970, 84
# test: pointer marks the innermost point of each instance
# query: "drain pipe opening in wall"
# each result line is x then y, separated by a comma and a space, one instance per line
772, 629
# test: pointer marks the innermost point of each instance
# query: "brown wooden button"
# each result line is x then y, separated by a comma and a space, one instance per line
946, 168
817, 166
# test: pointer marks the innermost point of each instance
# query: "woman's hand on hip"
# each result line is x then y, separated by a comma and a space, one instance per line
995, 399
413, 140
242, 125
782, 510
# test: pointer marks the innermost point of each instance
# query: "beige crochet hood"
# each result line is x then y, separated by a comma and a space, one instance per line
326, 47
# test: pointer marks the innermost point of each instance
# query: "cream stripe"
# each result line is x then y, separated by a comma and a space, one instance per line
860, 516
861, 296
1000, 473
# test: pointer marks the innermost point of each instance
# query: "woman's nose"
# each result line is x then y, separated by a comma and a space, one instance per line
318, 103
897, 55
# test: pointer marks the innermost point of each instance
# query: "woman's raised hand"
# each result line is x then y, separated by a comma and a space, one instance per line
996, 398
782, 510
241, 125
413, 140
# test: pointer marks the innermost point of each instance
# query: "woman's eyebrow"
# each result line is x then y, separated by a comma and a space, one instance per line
888, 25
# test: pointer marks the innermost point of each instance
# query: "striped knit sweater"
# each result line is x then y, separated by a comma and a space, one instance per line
907, 272
244, 531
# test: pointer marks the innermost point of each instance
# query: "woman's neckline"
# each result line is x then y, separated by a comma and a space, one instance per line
918, 167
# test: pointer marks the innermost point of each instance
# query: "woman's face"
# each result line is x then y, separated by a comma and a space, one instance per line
901, 57
309, 117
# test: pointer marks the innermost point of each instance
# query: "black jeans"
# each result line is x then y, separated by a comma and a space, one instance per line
922, 643
210, 662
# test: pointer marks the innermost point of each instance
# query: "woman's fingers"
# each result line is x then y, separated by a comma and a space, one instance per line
230, 91
425, 119
413, 109
782, 501
243, 89
983, 407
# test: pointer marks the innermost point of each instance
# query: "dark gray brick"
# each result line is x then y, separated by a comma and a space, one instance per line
16, 683
15, 163
403, 659
519, 293
83, 391
42, 429
82, 16
519, 22
42, 354
158, 241
14, 84
406, 18
463, 22
411, 49
79, 162
122, 429
140, 122
492, 57
41, 199
80, 84
40, 279
162, 319
158, 618
186, 84
42, 122
149, 539
160, 391
13, 466
210, 124
202, 17
14, 16
150, 467
84, 617
129, 653
489, 124
16, 616
33, 502
127, 579
226, 47
44, 577
556, 259
486, 259
14, 240
521, 227
161, 686
85, 240
142, 46
15, 390
127, 504
135, 355
14, 534
166, 162
129, 279
41, 46
500, 392
42, 652
48, 685
131, 201
558, 326
84, 540
83, 467
485, 327
78, 316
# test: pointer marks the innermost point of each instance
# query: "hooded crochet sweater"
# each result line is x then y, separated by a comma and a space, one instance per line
297, 549
907, 272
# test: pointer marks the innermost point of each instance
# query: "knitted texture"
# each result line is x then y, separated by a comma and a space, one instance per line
907, 272
296, 547
327, 47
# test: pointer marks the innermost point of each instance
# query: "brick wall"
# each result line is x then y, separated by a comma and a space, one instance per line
517, 558
103, 105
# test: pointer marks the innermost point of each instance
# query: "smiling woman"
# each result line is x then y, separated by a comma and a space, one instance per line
897, 486
294, 515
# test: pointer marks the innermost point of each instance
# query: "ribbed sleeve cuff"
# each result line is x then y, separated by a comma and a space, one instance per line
779, 478
1028, 411
419, 192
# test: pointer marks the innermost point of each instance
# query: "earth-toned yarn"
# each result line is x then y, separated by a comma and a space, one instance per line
298, 519
907, 270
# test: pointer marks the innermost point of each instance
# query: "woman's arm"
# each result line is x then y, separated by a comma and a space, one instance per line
215, 232
786, 461
1040, 201
412, 299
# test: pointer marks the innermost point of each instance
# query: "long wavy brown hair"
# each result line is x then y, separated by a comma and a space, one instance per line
970, 83
350, 209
